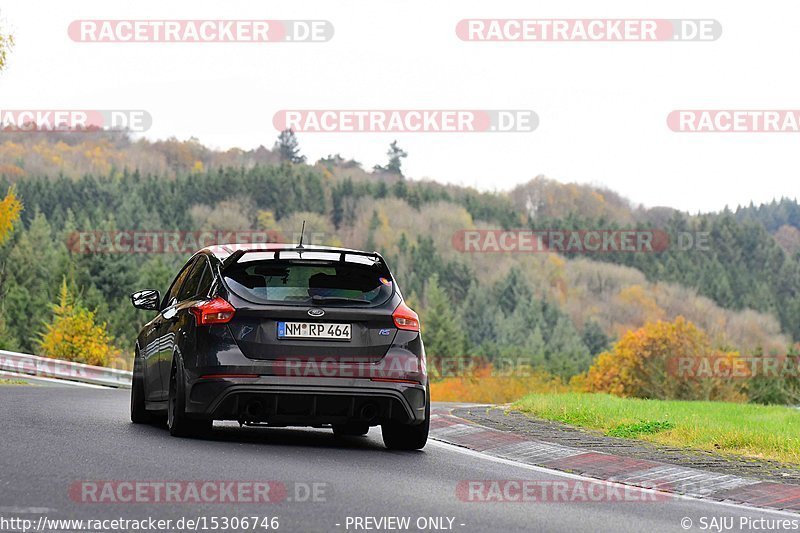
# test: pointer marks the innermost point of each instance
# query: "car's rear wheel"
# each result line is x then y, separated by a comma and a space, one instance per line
178, 423
139, 414
351, 429
407, 437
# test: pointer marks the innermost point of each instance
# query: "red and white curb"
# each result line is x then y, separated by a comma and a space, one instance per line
643, 473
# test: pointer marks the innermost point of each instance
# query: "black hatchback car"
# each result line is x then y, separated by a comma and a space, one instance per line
283, 335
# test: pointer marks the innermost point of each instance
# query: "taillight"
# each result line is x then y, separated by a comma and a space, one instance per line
405, 318
216, 311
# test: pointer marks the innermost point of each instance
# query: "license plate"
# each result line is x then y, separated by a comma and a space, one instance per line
310, 330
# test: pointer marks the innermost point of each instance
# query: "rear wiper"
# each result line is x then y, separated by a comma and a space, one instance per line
323, 299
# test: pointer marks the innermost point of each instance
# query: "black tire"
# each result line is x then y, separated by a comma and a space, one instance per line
178, 423
407, 437
350, 429
139, 413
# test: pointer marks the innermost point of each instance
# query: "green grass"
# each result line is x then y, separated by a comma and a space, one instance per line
645, 427
767, 432
12, 382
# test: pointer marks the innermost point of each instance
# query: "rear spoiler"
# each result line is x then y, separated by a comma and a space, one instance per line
237, 255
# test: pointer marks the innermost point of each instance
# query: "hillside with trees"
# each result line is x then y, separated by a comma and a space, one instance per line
551, 311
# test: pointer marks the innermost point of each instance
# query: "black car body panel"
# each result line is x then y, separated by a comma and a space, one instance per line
242, 370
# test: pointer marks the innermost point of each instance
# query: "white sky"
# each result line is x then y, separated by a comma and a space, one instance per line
602, 106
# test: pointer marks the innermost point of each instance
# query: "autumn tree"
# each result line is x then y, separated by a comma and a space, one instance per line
6, 44
73, 334
10, 209
233, 214
266, 221
647, 363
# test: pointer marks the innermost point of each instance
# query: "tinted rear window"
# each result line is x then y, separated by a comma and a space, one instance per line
324, 283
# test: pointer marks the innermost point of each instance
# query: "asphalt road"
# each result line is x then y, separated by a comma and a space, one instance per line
55, 438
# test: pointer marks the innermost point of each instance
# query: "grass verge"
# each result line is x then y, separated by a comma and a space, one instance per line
766, 432
12, 382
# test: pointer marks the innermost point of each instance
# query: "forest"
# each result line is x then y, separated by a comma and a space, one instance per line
554, 312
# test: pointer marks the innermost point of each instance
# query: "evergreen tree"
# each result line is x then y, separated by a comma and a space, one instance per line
7, 339
374, 224
36, 263
445, 339
456, 278
395, 164
512, 290
480, 313
567, 355
288, 148
594, 338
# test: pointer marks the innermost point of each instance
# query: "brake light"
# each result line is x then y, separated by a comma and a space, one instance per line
405, 318
216, 311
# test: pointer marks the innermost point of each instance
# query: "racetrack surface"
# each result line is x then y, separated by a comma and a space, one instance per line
53, 438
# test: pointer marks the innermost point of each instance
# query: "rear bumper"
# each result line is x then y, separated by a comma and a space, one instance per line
281, 400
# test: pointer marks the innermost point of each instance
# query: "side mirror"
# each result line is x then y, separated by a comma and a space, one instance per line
147, 300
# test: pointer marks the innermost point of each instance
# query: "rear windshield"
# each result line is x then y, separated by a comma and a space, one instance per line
328, 283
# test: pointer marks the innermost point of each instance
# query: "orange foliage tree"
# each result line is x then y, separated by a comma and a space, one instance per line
486, 384
10, 208
645, 364
74, 335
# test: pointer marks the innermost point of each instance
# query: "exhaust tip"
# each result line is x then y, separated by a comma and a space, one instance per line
369, 412
254, 409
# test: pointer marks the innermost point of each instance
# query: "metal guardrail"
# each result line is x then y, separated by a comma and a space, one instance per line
33, 365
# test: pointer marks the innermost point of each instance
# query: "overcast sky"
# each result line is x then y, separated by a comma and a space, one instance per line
602, 106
